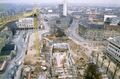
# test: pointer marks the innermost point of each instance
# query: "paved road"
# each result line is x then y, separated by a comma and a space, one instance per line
19, 41
72, 34
21, 56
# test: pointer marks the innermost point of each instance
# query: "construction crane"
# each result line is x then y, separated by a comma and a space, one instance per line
36, 28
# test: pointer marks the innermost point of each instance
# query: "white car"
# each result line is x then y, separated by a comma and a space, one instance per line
44, 68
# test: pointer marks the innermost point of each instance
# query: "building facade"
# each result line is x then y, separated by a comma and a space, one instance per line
109, 16
25, 23
113, 48
115, 21
6, 54
60, 9
63, 9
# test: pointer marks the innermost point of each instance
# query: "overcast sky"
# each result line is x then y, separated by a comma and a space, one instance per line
58, 1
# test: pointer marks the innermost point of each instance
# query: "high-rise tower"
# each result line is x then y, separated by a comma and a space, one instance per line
65, 8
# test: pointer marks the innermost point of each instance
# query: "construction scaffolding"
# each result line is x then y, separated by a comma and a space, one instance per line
62, 63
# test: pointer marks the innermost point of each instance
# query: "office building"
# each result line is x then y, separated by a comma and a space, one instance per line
60, 10
6, 54
115, 21
63, 9
109, 16
113, 48
25, 23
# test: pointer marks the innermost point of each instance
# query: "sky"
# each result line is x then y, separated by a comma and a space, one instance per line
59, 1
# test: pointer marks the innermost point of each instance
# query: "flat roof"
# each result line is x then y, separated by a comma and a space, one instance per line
6, 50
115, 40
60, 46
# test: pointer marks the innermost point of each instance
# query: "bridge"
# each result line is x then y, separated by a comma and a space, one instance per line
8, 19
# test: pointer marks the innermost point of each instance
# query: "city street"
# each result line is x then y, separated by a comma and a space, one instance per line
73, 35
60, 39
19, 41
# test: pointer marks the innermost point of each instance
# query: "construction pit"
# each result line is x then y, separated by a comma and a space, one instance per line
33, 61
34, 64
61, 49
31, 56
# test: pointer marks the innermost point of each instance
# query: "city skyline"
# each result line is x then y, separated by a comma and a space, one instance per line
59, 39
59, 1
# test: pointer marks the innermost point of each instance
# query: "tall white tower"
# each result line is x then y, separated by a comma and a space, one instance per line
64, 8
